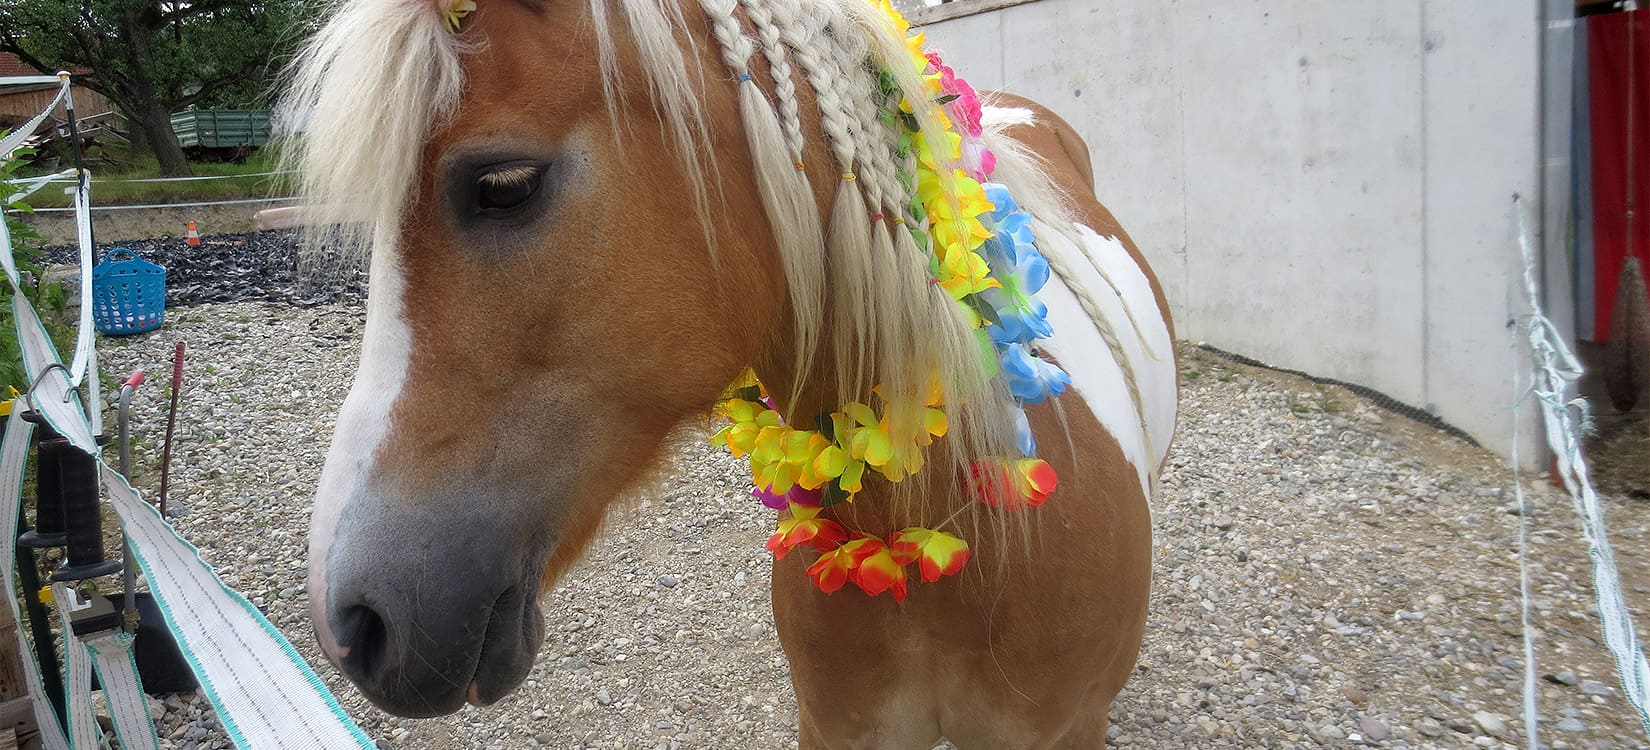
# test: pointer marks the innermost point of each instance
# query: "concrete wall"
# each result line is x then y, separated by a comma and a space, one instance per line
1325, 185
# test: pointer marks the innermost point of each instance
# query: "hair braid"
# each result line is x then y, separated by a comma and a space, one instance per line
787, 198
779, 64
852, 263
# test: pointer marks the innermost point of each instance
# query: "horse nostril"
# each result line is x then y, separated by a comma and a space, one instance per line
362, 633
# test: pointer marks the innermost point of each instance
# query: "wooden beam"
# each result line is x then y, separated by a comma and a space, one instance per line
12, 683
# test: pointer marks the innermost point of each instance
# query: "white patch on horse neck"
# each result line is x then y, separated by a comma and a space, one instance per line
1006, 117
362, 424
1096, 376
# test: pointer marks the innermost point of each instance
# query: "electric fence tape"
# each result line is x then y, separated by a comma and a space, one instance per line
1556, 368
265, 694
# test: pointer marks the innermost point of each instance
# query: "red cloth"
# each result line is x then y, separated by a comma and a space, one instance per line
1618, 60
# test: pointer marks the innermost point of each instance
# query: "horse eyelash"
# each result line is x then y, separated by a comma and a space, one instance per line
509, 176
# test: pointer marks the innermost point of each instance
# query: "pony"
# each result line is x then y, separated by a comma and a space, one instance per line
589, 222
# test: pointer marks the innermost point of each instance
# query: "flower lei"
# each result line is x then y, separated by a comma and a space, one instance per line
982, 252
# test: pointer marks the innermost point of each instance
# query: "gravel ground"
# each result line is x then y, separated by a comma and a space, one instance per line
1328, 574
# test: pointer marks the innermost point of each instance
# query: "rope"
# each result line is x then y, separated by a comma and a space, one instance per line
1531, 722
205, 178
1555, 370
147, 206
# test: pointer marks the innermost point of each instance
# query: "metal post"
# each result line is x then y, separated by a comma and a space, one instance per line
171, 423
128, 577
84, 179
39, 624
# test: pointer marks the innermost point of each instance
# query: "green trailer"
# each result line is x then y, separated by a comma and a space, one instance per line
207, 130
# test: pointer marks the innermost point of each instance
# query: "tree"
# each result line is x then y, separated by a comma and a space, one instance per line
155, 57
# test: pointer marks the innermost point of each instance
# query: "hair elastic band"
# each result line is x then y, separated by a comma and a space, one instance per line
743, 77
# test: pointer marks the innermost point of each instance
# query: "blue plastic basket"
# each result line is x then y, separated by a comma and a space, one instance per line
128, 293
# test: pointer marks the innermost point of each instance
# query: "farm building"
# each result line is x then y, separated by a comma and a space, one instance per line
19, 103
1328, 187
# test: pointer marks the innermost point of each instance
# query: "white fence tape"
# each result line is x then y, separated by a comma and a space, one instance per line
21, 133
265, 694
77, 688
83, 233
192, 204
200, 178
14, 455
116, 667
1555, 369
28, 80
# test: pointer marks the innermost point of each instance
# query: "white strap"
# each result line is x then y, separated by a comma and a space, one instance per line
117, 672
52, 394
22, 133
266, 695
14, 454
27, 185
27, 80
83, 229
77, 682
94, 393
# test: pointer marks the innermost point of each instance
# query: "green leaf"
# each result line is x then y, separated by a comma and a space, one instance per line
947, 99
751, 393
886, 85
983, 309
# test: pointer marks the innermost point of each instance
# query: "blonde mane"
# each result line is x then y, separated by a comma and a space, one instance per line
857, 280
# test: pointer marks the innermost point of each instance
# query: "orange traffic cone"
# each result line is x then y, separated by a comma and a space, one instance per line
194, 237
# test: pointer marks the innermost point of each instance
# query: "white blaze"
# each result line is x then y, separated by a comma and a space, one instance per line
362, 423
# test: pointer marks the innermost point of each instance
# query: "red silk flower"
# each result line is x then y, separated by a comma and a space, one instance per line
880, 572
836, 567
1016, 485
937, 553
805, 527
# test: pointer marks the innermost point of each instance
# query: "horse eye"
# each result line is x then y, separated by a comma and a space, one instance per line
506, 189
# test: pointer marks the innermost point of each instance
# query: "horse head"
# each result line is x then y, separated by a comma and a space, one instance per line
585, 219
544, 309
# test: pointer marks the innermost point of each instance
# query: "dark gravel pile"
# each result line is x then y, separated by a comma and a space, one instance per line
253, 267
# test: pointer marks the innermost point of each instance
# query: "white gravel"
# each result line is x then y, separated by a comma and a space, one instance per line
1328, 574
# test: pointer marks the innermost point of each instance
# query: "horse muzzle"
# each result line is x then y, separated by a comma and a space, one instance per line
422, 661
424, 620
